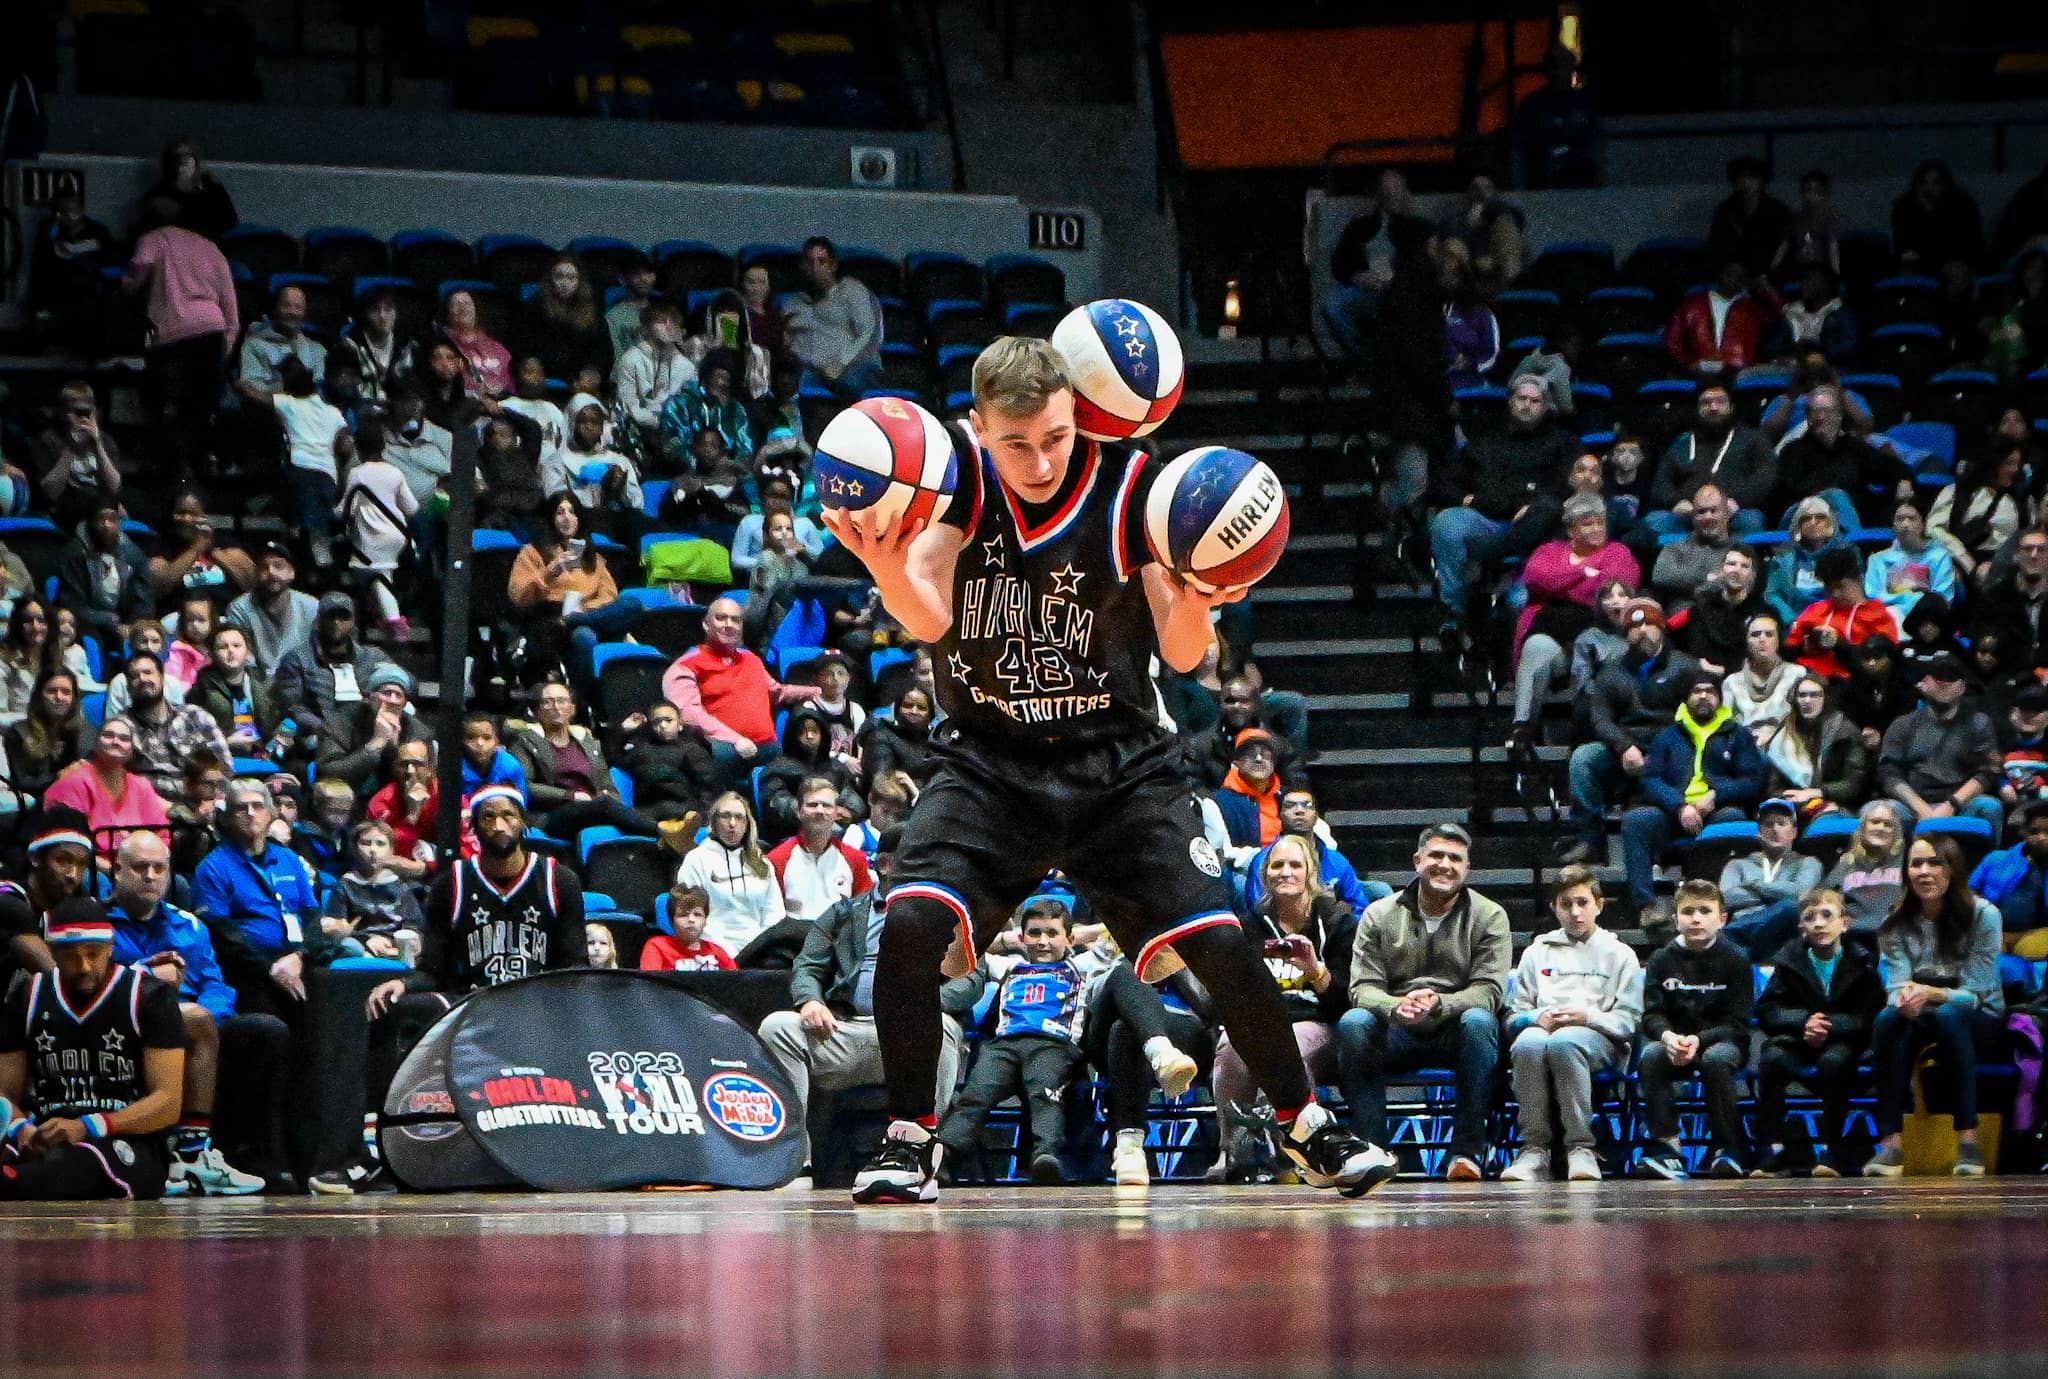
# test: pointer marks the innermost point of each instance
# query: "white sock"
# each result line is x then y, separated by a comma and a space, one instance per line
1158, 1047
1133, 1137
1311, 1118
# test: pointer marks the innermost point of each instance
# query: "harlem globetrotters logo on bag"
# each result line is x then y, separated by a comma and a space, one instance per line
744, 1107
646, 1093
529, 1096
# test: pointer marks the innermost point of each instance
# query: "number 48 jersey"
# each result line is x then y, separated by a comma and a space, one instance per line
1052, 634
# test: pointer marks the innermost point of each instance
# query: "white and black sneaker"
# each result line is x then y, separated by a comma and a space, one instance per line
905, 1170
1329, 1156
209, 1173
365, 1177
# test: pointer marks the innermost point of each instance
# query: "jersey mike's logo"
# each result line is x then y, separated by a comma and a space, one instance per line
744, 1107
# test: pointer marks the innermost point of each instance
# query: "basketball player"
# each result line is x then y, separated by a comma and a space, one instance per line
59, 858
499, 916
1038, 593
96, 1051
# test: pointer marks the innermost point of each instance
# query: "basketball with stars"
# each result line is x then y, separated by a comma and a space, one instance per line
1217, 517
888, 457
1125, 364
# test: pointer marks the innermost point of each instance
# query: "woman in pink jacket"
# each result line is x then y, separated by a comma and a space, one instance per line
1571, 571
110, 795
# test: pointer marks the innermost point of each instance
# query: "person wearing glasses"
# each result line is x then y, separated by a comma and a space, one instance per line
261, 903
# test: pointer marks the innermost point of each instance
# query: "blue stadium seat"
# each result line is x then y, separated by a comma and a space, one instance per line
623, 783
94, 707
1024, 280
652, 491
882, 274
264, 249
1936, 437
491, 539
934, 276
345, 251
880, 660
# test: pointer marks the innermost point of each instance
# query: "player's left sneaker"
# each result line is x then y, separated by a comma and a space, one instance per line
1173, 1070
904, 1170
209, 1174
1329, 1156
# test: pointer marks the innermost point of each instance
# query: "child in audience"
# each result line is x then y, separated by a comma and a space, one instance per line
484, 759
1844, 618
1578, 994
672, 771
1697, 992
841, 715
599, 947
1817, 1011
688, 951
314, 434
371, 909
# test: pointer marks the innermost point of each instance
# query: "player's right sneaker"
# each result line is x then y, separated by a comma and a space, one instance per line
1174, 1071
904, 1170
209, 1173
363, 1178
1128, 1166
1329, 1156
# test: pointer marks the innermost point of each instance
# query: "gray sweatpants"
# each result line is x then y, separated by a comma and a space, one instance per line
851, 1056
1553, 1074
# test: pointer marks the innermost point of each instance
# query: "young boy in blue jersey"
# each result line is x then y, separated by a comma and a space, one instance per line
1036, 1043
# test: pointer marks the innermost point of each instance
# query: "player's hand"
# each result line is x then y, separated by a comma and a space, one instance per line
817, 1019
384, 996
745, 749
289, 973
1186, 591
56, 1134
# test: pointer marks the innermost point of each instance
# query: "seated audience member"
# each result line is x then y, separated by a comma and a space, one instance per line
1207, 756
271, 341
1250, 796
626, 318
565, 597
191, 556
599, 947
1554, 361
815, 869
686, 950
706, 404
373, 343
422, 448
260, 901
1794, 584
106, 792
1562, 579
1840, 619
191, 648
1719, 330
1828, 461
1975, 518
409, 805
842, 715
806, 755
1630, 703
103, 577
371, 909
1871, 872
567, 777
69, 251
78, 465
1935, 222
508, 463
71, 651
50, 737
1471, 334
1877, 693
152, 935
1814, 237
1941, 760
1938, 955
1428, 969
1931, 632
195, 813
1818, 319
1816, 1014
1761, 890
277, 617
328, 674
145, 635
729, 866
563, 326
827, 1036
167, 736
90, 1122
1683, 566
1721, 451
243, 705
28, 650
600, 477
1578, 996
1546, 665
670, 765
1697, 994
1588, 476
485, 761
778, 495
1723, 608
2015, 882
725, 692
1817, 759
1703, 769
354, 739
1504, 497
836, 327
320, 831
725, 323
1299, 819
2014, 604
1911, 566
765, 325
890, 799
484, 366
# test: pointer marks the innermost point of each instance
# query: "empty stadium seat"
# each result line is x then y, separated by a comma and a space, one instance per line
1619, 310
512, 261
1913, 350
431, 257
1572, 269
687, 265
345, 253
262, 249
1522, 311
1668, 266
1882, 393
1022, 279
1966, 399
605, 258
1627, 361
940, 277
628, 678
1904, 297
882, 275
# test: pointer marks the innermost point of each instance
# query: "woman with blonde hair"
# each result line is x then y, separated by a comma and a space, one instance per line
1870, 874
734, 872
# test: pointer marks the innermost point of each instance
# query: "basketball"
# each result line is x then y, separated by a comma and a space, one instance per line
1217, 517
889, 457
1125, 364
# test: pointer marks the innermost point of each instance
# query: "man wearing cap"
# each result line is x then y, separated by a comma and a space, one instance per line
1704, 768
499, 916
1761, 890
1941, 760
329, 673
2016, 881
59, 860
354, 740
1631, 701
168, 737
261, 903
92, 1062
277, 617
1250, 797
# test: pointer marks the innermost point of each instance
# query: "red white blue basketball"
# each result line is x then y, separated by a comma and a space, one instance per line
1125, 364
886, 456
1217, 517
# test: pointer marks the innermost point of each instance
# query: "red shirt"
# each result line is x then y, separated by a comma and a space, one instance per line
407, 836
664, 954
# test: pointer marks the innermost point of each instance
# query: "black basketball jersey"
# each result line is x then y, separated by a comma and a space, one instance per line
478, 935
82, 1061
1052, 635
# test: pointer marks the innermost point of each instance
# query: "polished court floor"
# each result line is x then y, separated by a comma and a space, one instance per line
1929, 1277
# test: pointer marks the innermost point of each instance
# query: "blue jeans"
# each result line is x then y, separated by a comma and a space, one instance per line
1371, 1046
1592, 770
1352, 314
1667, 523
1959, 1034
586, 630
309, 500
1761, 932
1646, 831
1991, 810
1458, 536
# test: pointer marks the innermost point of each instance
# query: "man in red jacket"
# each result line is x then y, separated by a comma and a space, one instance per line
1719, 330
725, 692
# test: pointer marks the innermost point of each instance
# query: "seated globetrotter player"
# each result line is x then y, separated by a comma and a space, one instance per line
1037, 590
501, 915
94, 1054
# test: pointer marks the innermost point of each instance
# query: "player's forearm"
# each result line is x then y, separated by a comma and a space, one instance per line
1184, 633
924, 610
157, 1111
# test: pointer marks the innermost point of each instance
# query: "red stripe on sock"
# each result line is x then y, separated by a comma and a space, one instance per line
192, 1121
930, 1122
1287, 1117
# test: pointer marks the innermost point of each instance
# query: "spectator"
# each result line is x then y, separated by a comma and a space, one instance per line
485, 364
1250, 795
26, 654
1938, 956
1976, 517
194, 812
729, 866
167, 735
1697, 994
806, 755
78, 465
563, 326
189, 299
203, 204
653, 371
687, 950
422, 449
835, 328
328, 673
186, 654
317, 443
71, 649
1702, 769
103, 577
2017, 342
1936, 222
1489, 228
566, 596
1784, 417
277, 617
15, 579
1631, 702
1386, 235
1683, 566
1749, 226
1471, 335
1813, 239
626, 318
780, 571
1562, 579
1299, 819
1911, 566
1941, 760
1555, 362
889, 802
902, 741
1427, 971
2025, 222
1507, 496
259, 899
1818, 319
271, 341
2015, 881
484, 760
1816, 1013
842, 716
1719, 450
778, 495
726, 324
725, 692
106, 792
815, 869
764, 322
408, 803
1724, 610
193, 560
353, 739
567, 777
1794, 583
1870, 873
1558, 126
145, 635
378, 507
1842, 619
1411, 391
1719, 330
670, 765
64, 276
49, 737
1761, 890
1829, 461
2013, 604
508, 464
371, 908
1546, 664
373, 343
1817, 759
1578, 995
706, 403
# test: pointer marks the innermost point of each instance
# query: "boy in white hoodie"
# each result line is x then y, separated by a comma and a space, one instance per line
1572, 1011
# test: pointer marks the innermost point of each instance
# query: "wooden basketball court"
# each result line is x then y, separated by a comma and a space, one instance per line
1933, 1276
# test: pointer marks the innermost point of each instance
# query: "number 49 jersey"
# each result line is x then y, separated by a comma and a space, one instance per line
1052, 633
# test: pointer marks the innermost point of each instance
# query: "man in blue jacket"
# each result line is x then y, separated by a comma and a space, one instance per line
2015, 879
1299, 815
259, 900
1703, 769
156, 936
